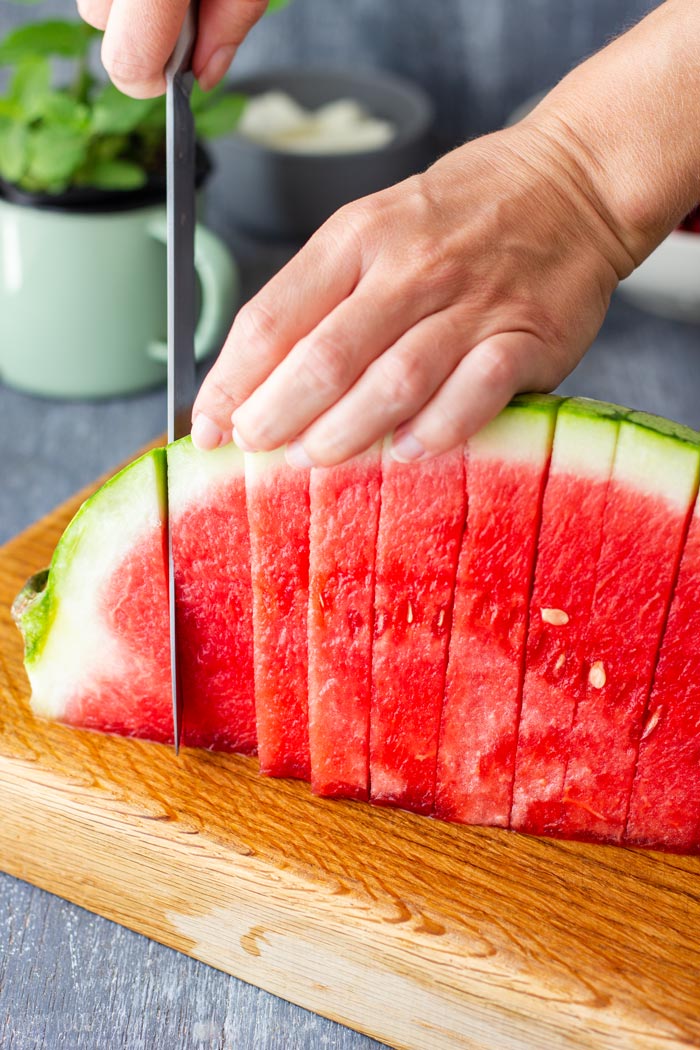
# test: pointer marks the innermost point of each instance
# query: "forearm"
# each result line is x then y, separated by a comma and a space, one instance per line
629, 117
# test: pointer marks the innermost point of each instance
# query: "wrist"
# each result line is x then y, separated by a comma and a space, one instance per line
627, 118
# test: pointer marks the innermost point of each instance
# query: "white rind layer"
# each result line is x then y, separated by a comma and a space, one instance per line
584, 444
260, 466
79, 647
193, 475
522, 433
657, 464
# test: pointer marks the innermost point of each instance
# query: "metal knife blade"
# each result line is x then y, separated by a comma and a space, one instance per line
180, 168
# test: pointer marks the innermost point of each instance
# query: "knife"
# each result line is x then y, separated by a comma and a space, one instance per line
180, 171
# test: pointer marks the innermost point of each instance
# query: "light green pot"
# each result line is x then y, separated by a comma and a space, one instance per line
83, 299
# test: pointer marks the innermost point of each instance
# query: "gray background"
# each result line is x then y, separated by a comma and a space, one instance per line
71, 980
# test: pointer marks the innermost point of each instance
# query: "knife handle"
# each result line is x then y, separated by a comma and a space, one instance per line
180, 61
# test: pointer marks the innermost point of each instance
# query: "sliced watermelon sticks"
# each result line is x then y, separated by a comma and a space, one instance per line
506, 634
278, 515
652, 489
506, 472
96, 627
568, 547
214, 597
664, 807
420, 526
345, 504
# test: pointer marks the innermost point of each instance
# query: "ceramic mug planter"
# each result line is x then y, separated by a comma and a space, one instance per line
83, 298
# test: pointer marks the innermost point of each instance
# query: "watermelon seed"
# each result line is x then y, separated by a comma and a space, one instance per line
596, 675
651, 724
409, 614
441, 618
561, 660
321, 601
557, 617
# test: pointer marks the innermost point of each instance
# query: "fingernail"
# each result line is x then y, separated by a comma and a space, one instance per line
205, 433
241, 443
297, 456
406, 448
216, 67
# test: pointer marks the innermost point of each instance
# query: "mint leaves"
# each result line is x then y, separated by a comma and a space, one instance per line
85, 133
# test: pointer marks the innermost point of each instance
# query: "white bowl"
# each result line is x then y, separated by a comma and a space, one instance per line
668, 282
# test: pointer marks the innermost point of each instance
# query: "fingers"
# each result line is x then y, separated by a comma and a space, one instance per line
392, 389
482, 384
138, 41
323, 365
223, 25
95, 12
308, 288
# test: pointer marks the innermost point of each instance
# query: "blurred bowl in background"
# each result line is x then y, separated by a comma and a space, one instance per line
667, 283
284, 195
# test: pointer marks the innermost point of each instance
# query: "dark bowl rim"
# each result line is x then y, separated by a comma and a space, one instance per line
424, 110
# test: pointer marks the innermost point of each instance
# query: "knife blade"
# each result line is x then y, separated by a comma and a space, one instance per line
180, 177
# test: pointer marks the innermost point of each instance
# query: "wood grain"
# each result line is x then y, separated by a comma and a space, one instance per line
420, 934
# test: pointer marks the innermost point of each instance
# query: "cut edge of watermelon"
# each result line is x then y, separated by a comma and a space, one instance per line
57, 656
197, 472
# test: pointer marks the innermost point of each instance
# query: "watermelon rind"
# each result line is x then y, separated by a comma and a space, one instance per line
65, 639
192, 473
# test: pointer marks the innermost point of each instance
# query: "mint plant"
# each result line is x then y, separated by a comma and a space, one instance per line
86, 133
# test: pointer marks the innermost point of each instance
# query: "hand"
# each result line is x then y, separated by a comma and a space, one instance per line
424, 308
140, 36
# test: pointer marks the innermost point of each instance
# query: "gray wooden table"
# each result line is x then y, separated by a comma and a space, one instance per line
67, 978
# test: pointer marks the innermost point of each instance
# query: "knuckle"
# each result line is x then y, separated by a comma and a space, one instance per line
326, 366
255, 323
404, 378
498, 366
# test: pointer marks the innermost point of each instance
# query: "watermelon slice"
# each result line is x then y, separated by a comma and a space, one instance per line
214, 597
664, 807
506, 472
568, 547
278, 516
342, 541
96, 624
420, 526
653, 485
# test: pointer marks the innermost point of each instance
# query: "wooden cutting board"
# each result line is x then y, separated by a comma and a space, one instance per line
421, 934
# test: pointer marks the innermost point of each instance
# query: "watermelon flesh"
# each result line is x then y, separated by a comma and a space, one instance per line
278, 517
420, 527
96, 626
344, 505
652, 488
664, 809
506, 471
568, 547
379, 634
214, 596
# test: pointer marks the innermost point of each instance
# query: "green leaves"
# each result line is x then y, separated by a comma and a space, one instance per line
220, 116
115, 175
116, 114
88, 133
30, 85
54, 153
40, 39
14, 146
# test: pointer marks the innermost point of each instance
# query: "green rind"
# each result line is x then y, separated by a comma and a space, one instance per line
36, 606
665, 427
